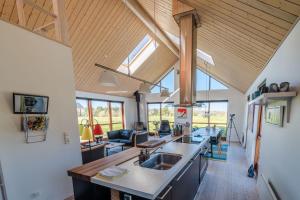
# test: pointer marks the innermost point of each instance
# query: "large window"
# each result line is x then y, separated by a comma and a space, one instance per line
167, 81
158, 112
109, 114
210, 114
206, 82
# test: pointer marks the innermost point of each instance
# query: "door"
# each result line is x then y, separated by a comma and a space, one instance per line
258, 139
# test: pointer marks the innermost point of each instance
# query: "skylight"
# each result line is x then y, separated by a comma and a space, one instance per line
138, 56
206, 57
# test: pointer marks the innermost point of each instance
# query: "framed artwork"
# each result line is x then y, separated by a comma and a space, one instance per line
250, 120
274, 115
30, 104
182, 113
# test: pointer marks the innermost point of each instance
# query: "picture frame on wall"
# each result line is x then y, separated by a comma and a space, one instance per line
30, 104
274, 115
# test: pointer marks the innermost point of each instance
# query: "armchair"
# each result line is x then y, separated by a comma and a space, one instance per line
164, 128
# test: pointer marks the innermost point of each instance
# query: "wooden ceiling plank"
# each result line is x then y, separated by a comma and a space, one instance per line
250, 17
270, 10
257, 63
99, 50
284, 6
91, 21
2, 2
234, 22
255, 25
297, 2
34, 15
243, 29
247, 46
83, 15
90, 52
265, 16
87, 49
7, 9
75, 18
42, 4
227, 31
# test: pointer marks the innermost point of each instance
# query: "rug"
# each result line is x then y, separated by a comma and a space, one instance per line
219, 155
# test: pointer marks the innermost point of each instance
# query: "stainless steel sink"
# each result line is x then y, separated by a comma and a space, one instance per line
161, 161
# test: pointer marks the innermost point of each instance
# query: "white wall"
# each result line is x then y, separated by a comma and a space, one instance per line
279, 158
35, 65
236, 102
130, 110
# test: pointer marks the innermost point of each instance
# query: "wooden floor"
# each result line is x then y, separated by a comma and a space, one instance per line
228, 180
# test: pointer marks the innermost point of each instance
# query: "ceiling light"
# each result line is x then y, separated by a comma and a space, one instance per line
164, 92
144, 88
108, 79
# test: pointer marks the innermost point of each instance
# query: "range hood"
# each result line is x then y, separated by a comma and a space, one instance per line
188, 21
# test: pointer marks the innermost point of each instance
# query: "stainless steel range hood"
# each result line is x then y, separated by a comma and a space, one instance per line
188, 21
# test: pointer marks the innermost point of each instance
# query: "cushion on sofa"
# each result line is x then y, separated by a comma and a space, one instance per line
125, 134
113, 134
114, 140
127, 142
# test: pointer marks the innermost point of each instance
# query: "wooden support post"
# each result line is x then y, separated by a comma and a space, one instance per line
60, 21
21, 13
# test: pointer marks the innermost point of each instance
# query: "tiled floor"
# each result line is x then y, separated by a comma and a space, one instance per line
227, 180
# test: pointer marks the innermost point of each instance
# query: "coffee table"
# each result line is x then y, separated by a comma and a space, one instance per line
111, 145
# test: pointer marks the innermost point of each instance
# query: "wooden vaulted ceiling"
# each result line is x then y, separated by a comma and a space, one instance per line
100, 31
240, 35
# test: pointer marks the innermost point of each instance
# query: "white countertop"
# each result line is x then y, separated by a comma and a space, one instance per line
148, 183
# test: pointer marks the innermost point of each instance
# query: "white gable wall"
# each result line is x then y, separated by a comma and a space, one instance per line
35, 65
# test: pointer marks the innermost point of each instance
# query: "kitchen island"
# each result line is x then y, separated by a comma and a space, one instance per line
180, 181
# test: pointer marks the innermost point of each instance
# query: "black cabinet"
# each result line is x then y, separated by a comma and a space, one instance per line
166, 194
186, 184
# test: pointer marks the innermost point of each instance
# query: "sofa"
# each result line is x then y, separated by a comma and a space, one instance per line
122, 136
129, 137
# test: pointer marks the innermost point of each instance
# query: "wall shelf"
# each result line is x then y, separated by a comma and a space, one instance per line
280, 98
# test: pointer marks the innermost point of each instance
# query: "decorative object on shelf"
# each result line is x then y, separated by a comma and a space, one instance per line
274, 115
35, 128
284, 87
273, 87
30, 104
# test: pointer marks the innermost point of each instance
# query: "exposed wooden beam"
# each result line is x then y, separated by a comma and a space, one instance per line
21, 13
139, 11
61, 28
35, 6
45, 27
180, 9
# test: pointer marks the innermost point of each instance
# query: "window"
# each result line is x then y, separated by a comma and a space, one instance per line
138, 56
206, 82
109, 114
158, 112
168, 81
210, 114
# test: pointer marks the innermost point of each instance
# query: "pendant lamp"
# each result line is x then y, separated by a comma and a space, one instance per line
108, 79
164, 92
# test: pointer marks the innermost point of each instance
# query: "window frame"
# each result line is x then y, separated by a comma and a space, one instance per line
158, 83
160, 113
90, 111
209, 123
209, 82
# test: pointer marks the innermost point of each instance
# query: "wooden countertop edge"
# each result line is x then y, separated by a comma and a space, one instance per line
86, 171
